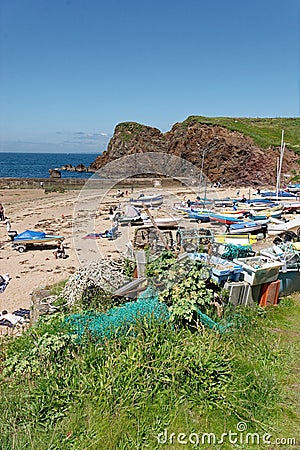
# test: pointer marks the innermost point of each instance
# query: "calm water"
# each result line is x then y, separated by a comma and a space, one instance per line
37, 165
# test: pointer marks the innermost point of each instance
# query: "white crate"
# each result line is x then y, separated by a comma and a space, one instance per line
258, 270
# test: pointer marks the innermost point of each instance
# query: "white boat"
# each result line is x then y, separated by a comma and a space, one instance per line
294, 188
164, 222
150, 200
277, 228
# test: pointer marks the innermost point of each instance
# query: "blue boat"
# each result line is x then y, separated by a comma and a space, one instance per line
224, 219
249, 227
30, 237
293, 187
282, 195
199, 216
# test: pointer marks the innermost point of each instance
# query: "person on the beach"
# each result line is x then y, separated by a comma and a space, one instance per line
111, 214
2, 215
60, 250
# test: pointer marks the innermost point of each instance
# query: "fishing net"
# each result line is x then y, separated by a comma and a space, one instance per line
117, 321
106, 274
233, 251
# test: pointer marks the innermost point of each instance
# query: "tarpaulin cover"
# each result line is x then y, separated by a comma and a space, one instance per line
29, 235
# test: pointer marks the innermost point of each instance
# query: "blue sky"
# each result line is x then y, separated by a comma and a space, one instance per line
71, 70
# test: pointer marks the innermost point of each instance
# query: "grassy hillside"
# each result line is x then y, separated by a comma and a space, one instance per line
265, 132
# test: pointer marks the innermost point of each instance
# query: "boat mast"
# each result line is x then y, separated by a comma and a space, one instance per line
279, 164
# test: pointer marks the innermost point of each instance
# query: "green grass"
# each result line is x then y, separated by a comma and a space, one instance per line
130, 130
264, 131
121, 394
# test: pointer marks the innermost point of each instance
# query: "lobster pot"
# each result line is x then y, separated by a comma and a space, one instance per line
191, 239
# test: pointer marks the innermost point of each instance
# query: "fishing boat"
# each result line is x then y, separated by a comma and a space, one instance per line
29, 238
280, 195
292, 208
164, 222
224, 219
294, 188
265, 214
150, 200
249, 227
278, 228
200, 216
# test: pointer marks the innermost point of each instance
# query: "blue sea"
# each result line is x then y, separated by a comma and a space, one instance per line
37, 165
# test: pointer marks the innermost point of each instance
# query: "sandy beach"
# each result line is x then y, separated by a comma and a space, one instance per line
54, 213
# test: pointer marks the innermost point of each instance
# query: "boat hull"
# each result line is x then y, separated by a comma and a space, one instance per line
147, 201
165, 222
224, 220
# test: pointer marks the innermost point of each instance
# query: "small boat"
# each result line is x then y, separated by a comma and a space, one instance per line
150, 200
199, 216
278, 228
248, 227
292, 208
224, 219
223, 203
164, 222
281, 195
27, 238
265, 214
239, 213
294, 188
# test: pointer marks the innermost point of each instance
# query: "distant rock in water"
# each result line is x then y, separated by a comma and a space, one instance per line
70, 168
81, 168
54, 173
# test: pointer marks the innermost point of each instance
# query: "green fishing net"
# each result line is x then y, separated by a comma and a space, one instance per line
233, 251
117, 321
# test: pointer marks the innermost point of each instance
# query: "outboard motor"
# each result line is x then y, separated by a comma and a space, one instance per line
12, 234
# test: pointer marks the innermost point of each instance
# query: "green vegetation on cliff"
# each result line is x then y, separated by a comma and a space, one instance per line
265, 132
131, 130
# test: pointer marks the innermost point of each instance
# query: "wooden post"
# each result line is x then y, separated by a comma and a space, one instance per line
161, 235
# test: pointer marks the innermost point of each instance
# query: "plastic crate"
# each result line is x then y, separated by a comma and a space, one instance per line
258, 270
222, 269
232, 274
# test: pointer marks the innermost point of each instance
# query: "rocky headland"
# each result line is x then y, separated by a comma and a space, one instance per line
229, 157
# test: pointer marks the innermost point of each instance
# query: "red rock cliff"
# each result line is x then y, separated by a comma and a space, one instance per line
229, 156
